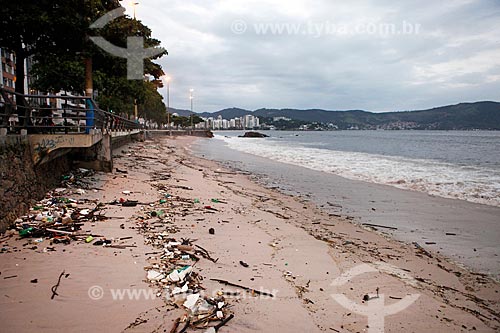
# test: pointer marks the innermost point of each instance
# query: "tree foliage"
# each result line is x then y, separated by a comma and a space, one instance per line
182, 121
47, 27
56, 32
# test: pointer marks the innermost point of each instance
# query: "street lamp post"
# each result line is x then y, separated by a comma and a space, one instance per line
133, 4
191, 98
136, 116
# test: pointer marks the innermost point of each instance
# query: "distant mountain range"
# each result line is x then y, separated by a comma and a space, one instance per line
463, 116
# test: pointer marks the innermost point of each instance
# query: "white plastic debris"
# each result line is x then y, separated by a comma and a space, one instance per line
180, 274
174, 276
178, 290
155, 275
185, 272
204, 307
191, 300
80, 191
169, 245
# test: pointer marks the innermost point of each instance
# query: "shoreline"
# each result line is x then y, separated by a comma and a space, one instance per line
465, 232
292, 247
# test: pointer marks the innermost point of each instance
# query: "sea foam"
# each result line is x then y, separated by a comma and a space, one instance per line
470, 183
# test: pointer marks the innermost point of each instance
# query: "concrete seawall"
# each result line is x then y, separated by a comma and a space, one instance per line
21, 182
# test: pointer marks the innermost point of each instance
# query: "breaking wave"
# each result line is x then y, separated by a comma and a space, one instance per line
470, 183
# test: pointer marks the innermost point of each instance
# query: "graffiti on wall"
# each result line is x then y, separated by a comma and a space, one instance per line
46, 144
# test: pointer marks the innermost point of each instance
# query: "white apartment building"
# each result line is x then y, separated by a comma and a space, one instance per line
246, 122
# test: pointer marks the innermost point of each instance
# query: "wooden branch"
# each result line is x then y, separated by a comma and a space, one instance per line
243, 287
224, 322
379, 226
176, 325
207, 254
54, 287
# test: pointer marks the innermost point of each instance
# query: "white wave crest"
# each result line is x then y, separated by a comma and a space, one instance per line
474, 184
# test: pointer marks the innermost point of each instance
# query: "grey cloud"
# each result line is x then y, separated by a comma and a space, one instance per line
332, 72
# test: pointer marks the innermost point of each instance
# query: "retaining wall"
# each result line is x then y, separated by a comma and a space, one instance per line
21, 183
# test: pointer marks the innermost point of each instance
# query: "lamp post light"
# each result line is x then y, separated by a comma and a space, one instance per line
133, 4
191, 97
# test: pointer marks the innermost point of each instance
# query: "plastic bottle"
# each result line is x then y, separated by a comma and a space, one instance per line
26, 232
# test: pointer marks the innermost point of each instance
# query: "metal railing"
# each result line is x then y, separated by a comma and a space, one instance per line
56, 114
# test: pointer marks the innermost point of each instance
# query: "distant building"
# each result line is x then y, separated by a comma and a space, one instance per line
250, 121
246, 122
9, 75
8, 72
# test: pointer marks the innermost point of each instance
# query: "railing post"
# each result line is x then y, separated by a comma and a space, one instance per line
89, 116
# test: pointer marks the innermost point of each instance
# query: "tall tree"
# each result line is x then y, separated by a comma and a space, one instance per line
115, 91
38, 27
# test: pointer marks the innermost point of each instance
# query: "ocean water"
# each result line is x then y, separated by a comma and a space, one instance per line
440, 189
461, 165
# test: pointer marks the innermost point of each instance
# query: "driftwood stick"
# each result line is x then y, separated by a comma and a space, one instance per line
206, 318
186, 326
60, 231
207, 254
54, 287
176, 325
152, 253
379, 226
224, 322
243, 287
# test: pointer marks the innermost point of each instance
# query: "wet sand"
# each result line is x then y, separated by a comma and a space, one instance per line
305, 257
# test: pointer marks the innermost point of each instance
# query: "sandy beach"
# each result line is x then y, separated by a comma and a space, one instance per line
325, 273
464, 231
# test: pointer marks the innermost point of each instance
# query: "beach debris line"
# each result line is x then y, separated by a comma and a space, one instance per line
58, 217
171, 271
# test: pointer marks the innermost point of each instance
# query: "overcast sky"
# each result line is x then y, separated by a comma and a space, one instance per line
330, 54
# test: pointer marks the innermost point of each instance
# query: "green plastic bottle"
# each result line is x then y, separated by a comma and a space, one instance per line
26, 232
